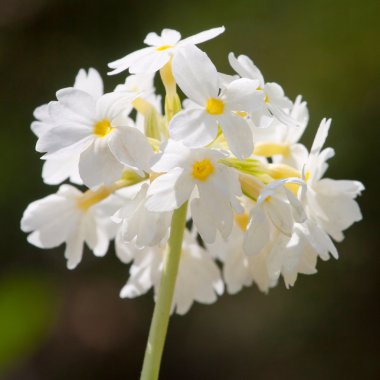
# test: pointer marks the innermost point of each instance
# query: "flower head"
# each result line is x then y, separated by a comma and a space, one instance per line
227, 171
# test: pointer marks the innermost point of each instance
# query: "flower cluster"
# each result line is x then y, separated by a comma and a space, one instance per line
259, 204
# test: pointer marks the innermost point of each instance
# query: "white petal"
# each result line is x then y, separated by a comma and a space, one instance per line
42, 112
202, 36
236, 272
244, 66
257, 235
320, 137
226, 79
134, 288
205, 224
194, 127
169, 191
90, 82
277, 96
77, 101
321, 242
114, 106
150, 63
298, 211
297, 157
125, 251
153, 228
69, 151
44, 120
259, 269
337, 212
74, 250
238, 135
55, 231
338, 187
144, 273
226, 182
217, 206
280, 215
55, 171
282, 116
242, 95
38, 127
131, 148
97, 164
63, 136
125, 62
300, 113
175, 154
195, 74
153, 39
95, 235
45, 210
170, 36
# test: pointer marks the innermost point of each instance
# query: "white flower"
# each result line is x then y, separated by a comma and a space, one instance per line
276, 103
90, 82
161, 49
198, 277
330, 203
275, 214
198, 78
236, 270
291, 256
147, 227
140, 84
65, 218
56, 170
317, 240
99, 132
189, 169
282, 255
280, 141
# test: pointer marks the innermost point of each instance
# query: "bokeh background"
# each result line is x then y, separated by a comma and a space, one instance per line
56, 324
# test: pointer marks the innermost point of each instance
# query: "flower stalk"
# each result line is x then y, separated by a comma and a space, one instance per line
161, 314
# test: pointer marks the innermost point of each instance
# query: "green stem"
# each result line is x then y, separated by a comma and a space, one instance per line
161, 314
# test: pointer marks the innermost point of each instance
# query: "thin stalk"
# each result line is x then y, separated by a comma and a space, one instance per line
161, 314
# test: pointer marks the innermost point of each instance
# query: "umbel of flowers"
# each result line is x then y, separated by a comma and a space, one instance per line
226, 160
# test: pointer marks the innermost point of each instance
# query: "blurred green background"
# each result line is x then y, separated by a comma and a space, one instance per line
56, 324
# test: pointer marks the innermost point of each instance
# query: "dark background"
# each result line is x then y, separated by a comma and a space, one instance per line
56, 324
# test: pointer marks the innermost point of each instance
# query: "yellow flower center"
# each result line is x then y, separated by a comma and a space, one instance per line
202, 169
215, 106
164, 47
102, 128
242, 220
307, 176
